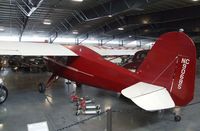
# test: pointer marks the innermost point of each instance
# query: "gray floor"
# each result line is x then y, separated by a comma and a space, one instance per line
25, 106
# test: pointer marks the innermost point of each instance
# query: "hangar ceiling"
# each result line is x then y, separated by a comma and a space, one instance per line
102, 19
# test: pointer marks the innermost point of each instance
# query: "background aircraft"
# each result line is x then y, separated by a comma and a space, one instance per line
165, 78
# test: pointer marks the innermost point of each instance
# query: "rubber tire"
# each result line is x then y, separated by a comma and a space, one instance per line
177, 118
41, 87
98, 112
6, 90
98, 107
77, 113
78, 85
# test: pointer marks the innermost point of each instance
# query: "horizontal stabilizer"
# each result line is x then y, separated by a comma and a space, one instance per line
34, 49
149, 97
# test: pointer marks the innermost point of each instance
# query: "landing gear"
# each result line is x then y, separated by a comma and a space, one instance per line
41, 87
177, 118
3, 94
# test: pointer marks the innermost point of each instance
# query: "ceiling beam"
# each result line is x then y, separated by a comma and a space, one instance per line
28, 10
165, 19
23, 28
111, 8
30, 7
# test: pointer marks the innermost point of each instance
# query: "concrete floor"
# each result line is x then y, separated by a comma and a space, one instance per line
25, 106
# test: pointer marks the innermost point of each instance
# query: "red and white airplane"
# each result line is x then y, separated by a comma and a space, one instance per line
165, 78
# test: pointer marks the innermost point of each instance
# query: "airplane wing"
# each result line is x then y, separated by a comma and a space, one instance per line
149, 97
44, 49
113, 51
34, 49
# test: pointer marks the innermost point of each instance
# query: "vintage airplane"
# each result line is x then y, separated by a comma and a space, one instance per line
165, 78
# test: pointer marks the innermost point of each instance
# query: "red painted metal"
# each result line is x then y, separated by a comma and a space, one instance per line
162, 66
91, 69
74, 98
51, 80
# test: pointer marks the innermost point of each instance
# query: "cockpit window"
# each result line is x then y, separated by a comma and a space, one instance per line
143, 55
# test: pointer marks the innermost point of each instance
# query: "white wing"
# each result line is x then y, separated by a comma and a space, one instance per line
45, 49
34, 49
113, 51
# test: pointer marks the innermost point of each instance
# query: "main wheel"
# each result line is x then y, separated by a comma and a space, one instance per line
3, 94
41, 87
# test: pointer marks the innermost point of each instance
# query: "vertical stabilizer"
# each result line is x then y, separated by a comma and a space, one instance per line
171, 63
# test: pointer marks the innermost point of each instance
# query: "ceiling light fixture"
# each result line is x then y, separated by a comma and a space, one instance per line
110, 16
78, 0
2, 28
47, 22
145, 21
120, 28
1, 126
146, 30
195, 0
197, 29
75, 32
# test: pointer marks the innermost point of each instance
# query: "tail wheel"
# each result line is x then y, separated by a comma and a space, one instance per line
3, 94
41, 87
177, 118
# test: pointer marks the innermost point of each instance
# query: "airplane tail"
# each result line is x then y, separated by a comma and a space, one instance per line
168, 72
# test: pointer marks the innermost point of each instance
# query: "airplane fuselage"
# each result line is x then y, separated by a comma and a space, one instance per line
91, 69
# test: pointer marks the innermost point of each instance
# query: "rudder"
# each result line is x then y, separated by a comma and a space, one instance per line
171, 63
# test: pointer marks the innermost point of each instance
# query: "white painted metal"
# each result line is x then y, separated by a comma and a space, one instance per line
90, 112
45, 49
149, 97
132, 70
113, 51
92, 107
34, 49
88, 101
